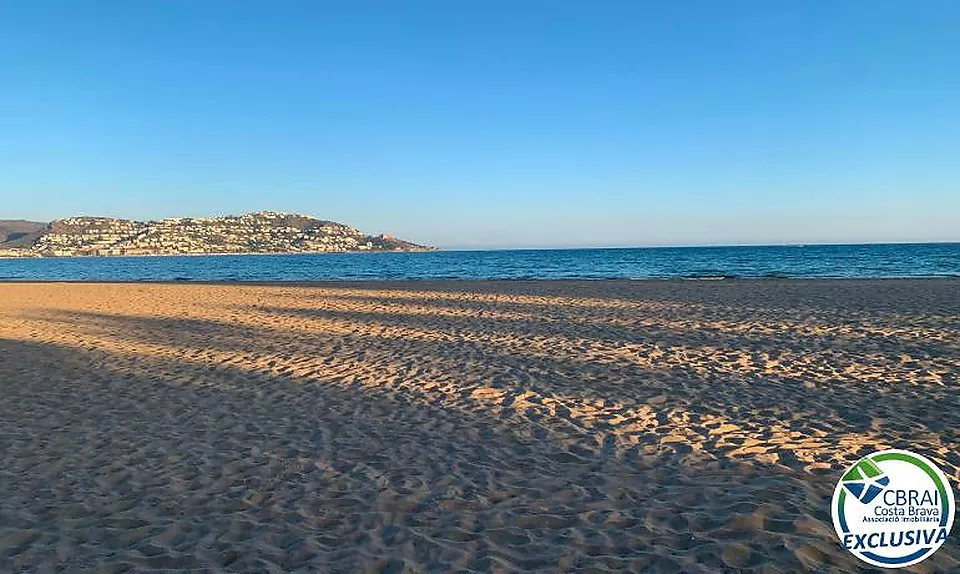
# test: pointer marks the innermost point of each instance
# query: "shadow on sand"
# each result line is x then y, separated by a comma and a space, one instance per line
332, 430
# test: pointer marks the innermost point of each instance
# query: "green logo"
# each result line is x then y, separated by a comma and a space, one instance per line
893, 508
865, 480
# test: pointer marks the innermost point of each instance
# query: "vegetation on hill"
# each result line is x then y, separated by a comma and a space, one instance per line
16, 233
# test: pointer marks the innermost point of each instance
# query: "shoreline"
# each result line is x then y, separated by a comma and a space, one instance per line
375, 282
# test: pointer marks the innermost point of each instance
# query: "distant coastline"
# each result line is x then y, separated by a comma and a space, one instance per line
221, 254
266, 232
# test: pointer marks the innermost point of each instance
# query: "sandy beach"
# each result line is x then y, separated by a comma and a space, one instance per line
659, 426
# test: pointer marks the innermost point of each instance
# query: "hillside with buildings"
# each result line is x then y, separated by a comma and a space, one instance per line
262, 232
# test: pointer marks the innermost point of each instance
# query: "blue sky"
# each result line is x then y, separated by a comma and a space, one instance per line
492, 123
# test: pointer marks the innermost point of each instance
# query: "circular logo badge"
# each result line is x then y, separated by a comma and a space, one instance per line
893, 508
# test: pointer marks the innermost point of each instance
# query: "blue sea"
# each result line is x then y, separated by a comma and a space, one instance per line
826, 261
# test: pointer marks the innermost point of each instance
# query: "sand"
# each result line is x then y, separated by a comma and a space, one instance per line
487, 426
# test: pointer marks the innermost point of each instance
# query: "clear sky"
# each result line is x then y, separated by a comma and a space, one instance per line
514, 123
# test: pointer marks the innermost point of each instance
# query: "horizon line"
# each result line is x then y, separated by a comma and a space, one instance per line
700, 245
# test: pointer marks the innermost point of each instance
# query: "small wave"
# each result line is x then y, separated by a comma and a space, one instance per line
710, 276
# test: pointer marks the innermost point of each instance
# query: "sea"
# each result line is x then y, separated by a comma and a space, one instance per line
760, 262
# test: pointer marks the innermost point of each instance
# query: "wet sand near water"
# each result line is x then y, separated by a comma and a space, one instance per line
659, 426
